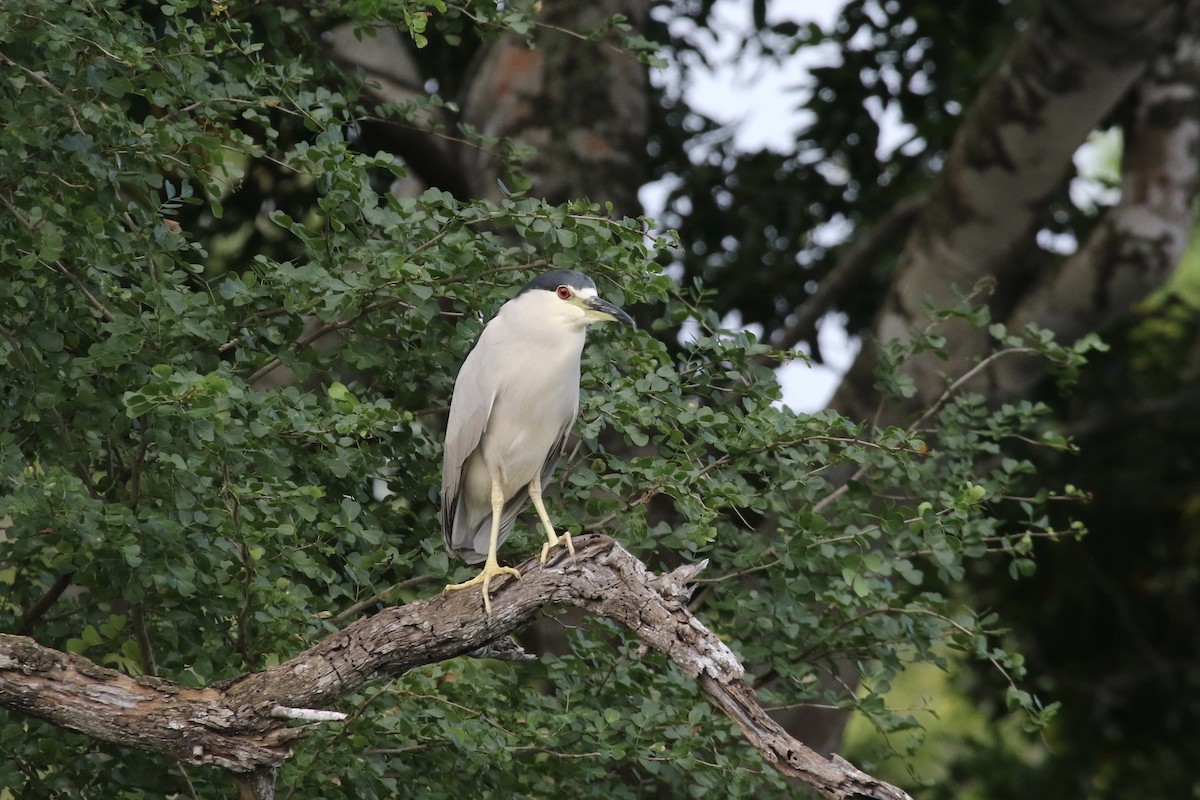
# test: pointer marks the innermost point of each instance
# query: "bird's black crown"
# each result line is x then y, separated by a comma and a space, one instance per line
549, 281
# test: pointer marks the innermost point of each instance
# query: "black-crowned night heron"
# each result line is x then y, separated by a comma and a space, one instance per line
515, 400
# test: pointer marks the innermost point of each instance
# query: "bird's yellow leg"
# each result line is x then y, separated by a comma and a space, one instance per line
491, 567
552, 538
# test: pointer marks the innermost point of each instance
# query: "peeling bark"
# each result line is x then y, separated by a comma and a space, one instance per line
1007, 161
1142, 239
242, 726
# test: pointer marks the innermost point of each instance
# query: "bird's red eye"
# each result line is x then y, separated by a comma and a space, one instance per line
563, 292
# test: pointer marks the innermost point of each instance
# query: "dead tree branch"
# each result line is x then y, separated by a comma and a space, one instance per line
249, 725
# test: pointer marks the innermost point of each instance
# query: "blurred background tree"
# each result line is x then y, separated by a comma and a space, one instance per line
943, 148
246, 247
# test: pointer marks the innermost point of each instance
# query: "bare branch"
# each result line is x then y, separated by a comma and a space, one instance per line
858, 258
243, 726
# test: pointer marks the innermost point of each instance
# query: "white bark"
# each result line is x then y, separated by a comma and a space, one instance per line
1007, 162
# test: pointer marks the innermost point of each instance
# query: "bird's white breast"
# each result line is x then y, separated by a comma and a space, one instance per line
537, 398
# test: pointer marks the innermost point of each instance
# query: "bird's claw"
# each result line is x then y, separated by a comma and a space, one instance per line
552, 540
490, 570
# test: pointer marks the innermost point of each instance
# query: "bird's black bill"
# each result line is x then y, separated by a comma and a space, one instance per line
609, 309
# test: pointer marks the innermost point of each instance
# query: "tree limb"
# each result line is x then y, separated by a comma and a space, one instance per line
859, 257
1141, 239
243, 726
43, 603
382, 62
1006, 165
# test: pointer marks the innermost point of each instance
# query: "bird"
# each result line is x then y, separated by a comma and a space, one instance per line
514, 402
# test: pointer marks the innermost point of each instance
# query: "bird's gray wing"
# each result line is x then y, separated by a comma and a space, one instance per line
473, 546
556, 451
517, 503
469, 411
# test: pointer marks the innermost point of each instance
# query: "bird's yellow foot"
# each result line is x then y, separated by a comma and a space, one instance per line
490, 570
552, 540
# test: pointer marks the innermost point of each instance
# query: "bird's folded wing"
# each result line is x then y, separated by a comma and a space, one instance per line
469, 412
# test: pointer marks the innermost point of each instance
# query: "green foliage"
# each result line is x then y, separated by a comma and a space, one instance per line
177, 454
1106, 624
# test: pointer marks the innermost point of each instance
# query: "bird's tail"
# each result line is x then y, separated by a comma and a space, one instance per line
470, 542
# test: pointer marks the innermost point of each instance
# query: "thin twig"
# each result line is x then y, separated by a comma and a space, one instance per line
963, 379
41, 80
583, 37
380, 596
91, 298
58, 266
936, 406
323, 330
858, 257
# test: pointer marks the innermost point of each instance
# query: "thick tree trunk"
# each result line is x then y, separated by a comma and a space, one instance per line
1141, 240
582, 107
1007, 162
579, 106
